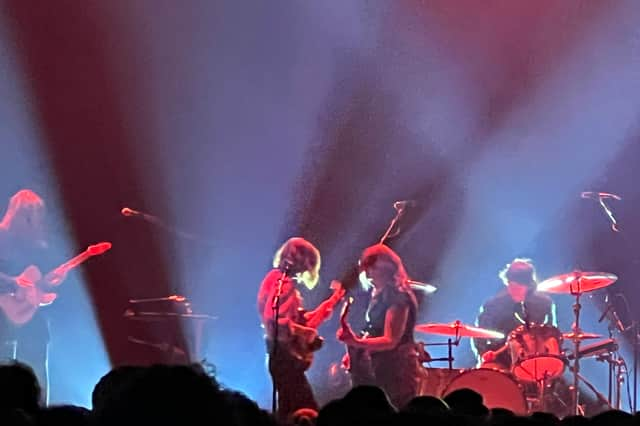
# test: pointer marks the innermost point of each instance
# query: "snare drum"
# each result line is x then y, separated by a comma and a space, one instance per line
498, 390
536, 353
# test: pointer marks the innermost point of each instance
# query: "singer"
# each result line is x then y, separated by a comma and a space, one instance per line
290, 346
517, 304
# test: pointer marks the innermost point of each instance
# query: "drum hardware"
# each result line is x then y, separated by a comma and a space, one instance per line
581, 336
606, 351
600, 397
617, 371
577, 283
596, 349
458, 330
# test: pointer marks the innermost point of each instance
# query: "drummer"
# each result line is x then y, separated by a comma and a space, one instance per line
517, 304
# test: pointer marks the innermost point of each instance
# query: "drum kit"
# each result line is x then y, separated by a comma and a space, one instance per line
538, 359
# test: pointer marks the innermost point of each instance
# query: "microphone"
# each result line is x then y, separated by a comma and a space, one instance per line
126, 211
527, 319
599, 195
616, 320
606, 311
401, 205
287, 265
614, 315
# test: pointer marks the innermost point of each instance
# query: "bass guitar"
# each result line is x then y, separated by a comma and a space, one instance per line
30, 289
356, 361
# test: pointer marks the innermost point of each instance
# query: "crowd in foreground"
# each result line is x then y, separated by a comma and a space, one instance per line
190, 395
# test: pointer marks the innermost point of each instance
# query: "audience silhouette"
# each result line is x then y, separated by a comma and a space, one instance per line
191, 395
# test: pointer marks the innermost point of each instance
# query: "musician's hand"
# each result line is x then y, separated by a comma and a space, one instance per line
488, 356
338, 290
23, 281
346, 362
347, 336
29, 277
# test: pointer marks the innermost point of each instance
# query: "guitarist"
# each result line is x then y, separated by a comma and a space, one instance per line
23, 243
391, 318
296, 262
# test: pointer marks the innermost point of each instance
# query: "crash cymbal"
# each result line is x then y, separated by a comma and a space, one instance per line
577, 282
458, 329
581, 336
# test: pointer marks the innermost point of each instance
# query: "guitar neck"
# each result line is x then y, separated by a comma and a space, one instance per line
72, 263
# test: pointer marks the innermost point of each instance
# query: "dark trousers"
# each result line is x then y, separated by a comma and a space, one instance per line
293, 388
29, 344
397, 373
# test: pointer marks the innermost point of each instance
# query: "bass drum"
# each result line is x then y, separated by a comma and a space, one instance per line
498, 389
434, 381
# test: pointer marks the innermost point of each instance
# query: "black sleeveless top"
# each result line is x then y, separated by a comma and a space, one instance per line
381, 303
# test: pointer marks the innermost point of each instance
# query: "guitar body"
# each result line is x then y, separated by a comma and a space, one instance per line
303, 342
304, 339
360, 367
358, 362
21, 303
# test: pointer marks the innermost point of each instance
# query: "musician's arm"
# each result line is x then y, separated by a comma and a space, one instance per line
487, 319
314, 318
395, 322
553, 319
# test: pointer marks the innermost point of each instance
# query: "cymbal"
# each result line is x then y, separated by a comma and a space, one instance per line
458, 329
577, 282
581, 336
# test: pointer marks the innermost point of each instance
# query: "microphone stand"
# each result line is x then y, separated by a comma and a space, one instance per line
395, 219
275, 306
155, 220
609, 213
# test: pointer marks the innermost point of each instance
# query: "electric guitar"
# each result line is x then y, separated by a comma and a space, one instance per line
30, 289
357, 361
303, 339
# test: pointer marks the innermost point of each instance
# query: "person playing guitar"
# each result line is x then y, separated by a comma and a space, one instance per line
24, 247
386, 351
25, 284
292, 339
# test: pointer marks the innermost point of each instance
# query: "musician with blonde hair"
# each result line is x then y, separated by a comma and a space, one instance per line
23, 247
290, 333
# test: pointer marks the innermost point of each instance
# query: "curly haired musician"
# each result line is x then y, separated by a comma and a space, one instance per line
517, 304
391, 317
23, 246
297, 261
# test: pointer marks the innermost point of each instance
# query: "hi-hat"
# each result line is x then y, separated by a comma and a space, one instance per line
581, 336
577, 282
458, 329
